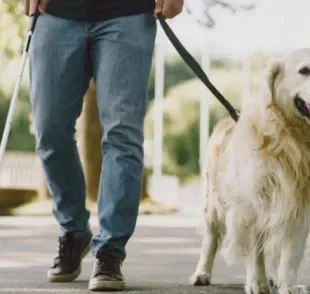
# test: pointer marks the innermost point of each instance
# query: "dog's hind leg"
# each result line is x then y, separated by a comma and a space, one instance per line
203, 273
256, 280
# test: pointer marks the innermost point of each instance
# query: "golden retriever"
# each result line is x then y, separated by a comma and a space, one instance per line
257, 182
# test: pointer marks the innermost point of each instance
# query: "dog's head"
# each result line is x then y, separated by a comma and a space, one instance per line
288, 82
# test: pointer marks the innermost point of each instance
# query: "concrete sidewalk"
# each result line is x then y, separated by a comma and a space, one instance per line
161, 256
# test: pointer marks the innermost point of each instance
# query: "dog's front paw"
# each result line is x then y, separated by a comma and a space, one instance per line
272, 283
257, 288
200, 279
300, 289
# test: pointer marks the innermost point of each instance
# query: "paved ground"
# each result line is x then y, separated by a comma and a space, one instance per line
161, 256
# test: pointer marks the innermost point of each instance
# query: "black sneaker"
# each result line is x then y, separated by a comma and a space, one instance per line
67, 265
107, 273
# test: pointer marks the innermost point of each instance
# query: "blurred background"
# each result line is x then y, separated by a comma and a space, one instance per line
232, 40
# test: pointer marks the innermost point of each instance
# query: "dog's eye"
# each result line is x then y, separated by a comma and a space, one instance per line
305, 71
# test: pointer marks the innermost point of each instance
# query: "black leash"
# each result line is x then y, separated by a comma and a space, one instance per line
195, 67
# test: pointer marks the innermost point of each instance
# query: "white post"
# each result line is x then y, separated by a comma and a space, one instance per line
246, 79
204, 106
158, 104
246, 62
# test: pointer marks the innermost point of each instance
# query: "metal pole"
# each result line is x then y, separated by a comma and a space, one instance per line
204, 107
246, 79
246, 62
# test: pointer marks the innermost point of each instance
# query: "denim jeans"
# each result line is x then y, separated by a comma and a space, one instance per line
65, 55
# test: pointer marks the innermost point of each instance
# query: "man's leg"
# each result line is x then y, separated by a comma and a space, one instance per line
59, 80
122, 50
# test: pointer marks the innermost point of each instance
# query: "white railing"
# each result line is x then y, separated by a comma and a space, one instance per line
20, 170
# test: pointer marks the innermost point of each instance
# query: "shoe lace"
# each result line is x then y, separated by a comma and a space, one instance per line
65, 249
109, 263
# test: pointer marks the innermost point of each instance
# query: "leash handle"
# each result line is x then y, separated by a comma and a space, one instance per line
196, 68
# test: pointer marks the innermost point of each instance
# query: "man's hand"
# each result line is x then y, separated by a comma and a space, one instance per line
32, 5
168, 8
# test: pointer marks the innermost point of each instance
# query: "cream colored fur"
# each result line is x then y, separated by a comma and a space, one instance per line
257, 183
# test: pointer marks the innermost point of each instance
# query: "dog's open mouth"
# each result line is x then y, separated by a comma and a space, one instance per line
302, 107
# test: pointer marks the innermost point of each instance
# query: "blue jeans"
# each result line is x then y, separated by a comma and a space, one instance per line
65, 55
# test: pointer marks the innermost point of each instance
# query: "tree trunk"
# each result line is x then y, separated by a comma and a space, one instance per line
89, 142
144, 194
43, 192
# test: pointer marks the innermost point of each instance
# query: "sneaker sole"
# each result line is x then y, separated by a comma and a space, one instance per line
68, 277
95, 285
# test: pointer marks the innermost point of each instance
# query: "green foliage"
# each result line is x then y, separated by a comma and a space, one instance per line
175, 72
20, 139
13, 25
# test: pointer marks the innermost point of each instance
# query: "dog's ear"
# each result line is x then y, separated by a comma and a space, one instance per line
273, 71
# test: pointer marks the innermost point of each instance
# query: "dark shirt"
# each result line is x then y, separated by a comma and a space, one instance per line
93, 10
